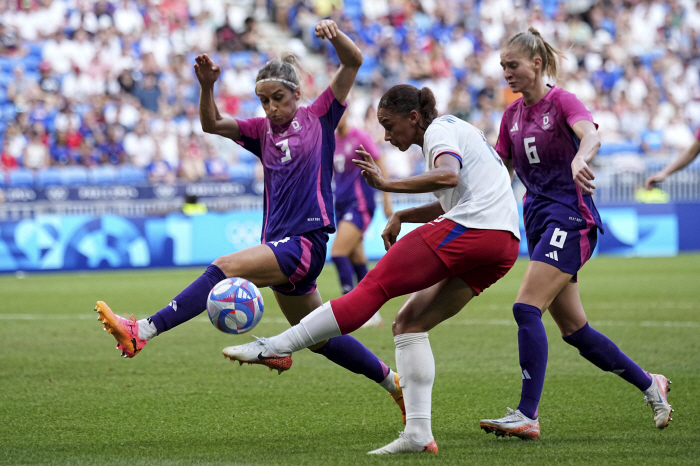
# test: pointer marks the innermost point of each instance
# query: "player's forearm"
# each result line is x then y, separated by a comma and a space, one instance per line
428, 182
348, 53
208, 112
684, 159
421, 214
589, 147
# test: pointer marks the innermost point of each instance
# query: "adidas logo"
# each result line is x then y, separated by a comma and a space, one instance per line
553, 255
173, 304
526, 375
515, 127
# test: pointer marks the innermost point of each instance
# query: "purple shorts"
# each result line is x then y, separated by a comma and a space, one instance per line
301, 259
566, 250
352, 213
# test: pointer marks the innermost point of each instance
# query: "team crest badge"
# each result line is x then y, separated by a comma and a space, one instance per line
545, 121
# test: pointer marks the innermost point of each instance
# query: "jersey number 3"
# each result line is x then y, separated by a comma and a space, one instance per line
531, 150
284, 147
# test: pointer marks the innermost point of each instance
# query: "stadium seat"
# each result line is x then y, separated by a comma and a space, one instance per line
21, 178
241, 172
74, 176
128, 174
104, 175
48, 177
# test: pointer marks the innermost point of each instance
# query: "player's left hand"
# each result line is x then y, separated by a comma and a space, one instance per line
583, 176
370, 169
391, 231
327, 29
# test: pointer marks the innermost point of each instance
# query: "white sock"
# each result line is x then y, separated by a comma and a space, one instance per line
389, 383
147, 329
416, 367
317, 326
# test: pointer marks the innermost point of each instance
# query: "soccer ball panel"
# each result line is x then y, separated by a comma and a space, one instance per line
235, 305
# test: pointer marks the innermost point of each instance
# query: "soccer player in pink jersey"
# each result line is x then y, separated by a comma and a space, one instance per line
548, 137
354, 206
295, 145
469, 240
680, 163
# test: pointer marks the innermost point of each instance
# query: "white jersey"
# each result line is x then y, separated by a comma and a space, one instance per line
483, 199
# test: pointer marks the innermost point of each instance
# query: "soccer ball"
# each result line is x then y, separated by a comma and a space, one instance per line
235, 305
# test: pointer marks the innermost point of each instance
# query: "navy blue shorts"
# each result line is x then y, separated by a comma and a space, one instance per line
301, 259
566, 250
361, 217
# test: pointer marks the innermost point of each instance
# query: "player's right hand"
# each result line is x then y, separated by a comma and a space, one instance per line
206, 70
391, 231
653, 179
326, 29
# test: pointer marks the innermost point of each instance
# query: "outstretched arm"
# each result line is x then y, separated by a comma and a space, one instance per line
445, 175
680, 163
349, 54
212, 122
388, 208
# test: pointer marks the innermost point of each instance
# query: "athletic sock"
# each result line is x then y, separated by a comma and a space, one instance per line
342, 263
389, 382
191, 302
604, 353
416, 367
319, 325
147, 329
348, 352
533, 352
360, 271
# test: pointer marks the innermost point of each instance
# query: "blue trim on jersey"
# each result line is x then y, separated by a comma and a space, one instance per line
457, 156
456, 231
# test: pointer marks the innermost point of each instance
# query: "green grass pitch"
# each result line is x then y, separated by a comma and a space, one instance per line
66, 397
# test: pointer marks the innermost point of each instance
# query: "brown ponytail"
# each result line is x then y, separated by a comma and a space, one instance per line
532, 43
403, 98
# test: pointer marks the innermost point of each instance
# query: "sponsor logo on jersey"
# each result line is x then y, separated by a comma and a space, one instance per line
514, 128
552, 255
296, 125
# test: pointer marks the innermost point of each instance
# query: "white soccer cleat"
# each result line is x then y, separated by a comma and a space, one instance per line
404, 445
657, 397
374, 321
257, 352
514, 424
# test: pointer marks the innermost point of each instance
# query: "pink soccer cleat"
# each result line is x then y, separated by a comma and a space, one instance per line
125, 331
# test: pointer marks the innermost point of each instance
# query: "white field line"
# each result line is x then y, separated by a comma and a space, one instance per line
466, 322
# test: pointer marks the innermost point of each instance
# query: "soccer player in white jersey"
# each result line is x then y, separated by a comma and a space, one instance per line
548, 137
469, 240
296, 145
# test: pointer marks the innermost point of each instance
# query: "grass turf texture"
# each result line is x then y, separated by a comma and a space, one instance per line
66, 397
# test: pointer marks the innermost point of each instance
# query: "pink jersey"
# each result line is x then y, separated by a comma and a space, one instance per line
350, 186
298, 164
542, 144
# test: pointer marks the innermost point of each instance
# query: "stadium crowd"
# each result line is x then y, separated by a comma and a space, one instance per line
110, 83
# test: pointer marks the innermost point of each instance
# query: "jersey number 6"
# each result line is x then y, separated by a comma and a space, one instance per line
531, 150
288, 155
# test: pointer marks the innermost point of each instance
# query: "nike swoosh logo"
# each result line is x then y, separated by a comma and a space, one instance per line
263, 358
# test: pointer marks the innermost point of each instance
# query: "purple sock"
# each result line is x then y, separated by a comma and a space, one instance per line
604, 353
349, 353
342, 263
533, 352
191, 302
360, 271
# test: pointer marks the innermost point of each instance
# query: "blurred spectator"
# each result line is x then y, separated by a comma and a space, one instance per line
148, 92
192, 167
7, 160
112, 149
216, 167
36, 153
159, 171
21, 89
139, 146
